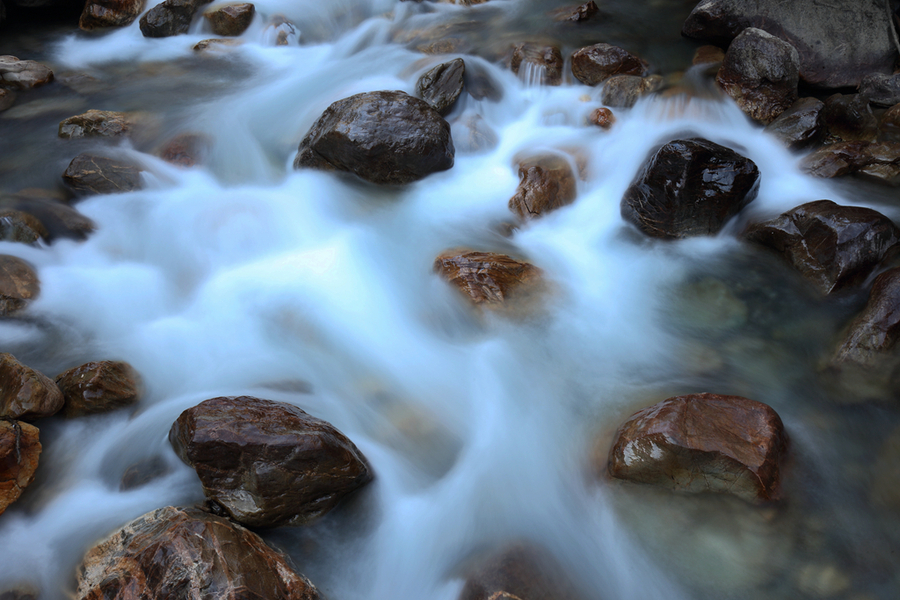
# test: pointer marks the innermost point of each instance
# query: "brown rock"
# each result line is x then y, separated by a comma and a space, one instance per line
520, 571
801, 125
703, 443
18, 284
847, 118
93, 174
623, 91
486, 277
186, 149
23, 74
595, 64
874, 332
95, 123
267, 463
18, 226
7, 99
539, 64
575, 14
889, 128
188, 554
705, 55
879, 161
231, 20
602, 117
170, 17
143, 472
442, 85
545, 183
98, 387
26, 394
19, 453
56, 218
99, 14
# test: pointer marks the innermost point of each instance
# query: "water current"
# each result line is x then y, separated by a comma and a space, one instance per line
244, 276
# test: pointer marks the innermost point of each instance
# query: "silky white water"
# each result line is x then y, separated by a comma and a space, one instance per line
244, 276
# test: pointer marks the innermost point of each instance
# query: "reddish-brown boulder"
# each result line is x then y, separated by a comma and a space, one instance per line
18, 284
486, 277
187, 554
703, 443
99, 14
267, 463
98, 387
23, 74
879, 161
95, 123
831, 245
25, 393
20, 449
545, 183
874, 332
540, 64
520, 571
595, 64
93, 174
232, 19
801, 125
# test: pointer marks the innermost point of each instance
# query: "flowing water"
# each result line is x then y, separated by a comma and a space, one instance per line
243, 276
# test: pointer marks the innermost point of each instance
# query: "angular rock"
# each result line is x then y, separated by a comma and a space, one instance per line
833, 246
26, 394
92, 174
18, 284
539, 64
7, 99
545, 184
575, 14
442, 85
187, 554
602, 117
623, 91
847, 118
382, 137
231, 20
595, 64
703, 443
20, 449
168, 18
18, 226
95, 123
874, 332
879, 161
267, 463
486, 277
880, 89
23, 74
689, 188
800, 125
98, 387
100, 14
519, 571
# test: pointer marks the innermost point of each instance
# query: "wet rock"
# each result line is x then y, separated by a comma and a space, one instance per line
17, 226
874, 332
267, 463
18, 284
800, 125
95, 123
281, 32
20, 449
186, 149
879, 161
486, 277
544, 62
545, 183
215, 44
7, 99
760, 72
56, 218
143, 472
602, 117
171, 17
575, 14
26, 394
833, 246
837, 44
703, 443
880, 89
847, 118
623, 91
98, 387
442, 85
99, 14
231, 20
688, 188
481, 85
520, 571
382, 137
595, 64
188, 554
23, 74
889, 127
472, 135
705, 55
93, 174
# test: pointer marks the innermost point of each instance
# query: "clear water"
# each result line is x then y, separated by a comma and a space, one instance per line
244, 276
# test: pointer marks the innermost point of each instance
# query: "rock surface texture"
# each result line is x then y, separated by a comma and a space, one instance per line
23, 74
382, 137
98, 387
486, 277
545, 184
93, 174
518, 572
18, 284
595, 64
703, 443
881, 90
187, 554
95, 123
20, 449
233, 19
545, 63
99, 14
623, 91
18, 226
875, 331
168, 18
442, 85
800, 125
879, 161
267, 463
25, 393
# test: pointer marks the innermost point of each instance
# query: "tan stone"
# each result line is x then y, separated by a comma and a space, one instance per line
18, 284
20, 449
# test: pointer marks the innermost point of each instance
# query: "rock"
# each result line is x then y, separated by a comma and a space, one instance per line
57, 219
602, 117
95, 123
623, 91
168, 18
595, 64
382, 137
23, 74
874, 332
187, 554
876, 160
800, 125
705, 55
833, 246
18, 284
442, 85
545, 183
689, 188
838, 44
575, 14
143, 472
186, 149
880, 89
885, 490
7, 99
92, 174
486, 277
538, 64
847, 118
267, 463
703, 443
473, 135
519, 571
889, 128
99, 14
98, 387
17, 226
20, 449
26, 394
232, 19
215, 44
281, 32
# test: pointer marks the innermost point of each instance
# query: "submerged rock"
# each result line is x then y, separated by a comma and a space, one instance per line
703, 443
187, 554
267, 463
546, 61
595, 64
520, 571
18, 226
20, 450
879, 161
602, 117
95, 123
545, 184
800, 125
232, 19
442, 85
186, 149
99, 14
623, 91
98, 387
486, 277
26, 394
18, 284
23, 74
93, 174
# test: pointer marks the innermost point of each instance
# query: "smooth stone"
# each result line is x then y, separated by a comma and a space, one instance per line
18, 226
19, 284
98, 387
518, 571
93, 174
595, 64
623, 91
232, 19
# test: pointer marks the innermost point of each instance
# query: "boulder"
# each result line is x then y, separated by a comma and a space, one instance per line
19, 284
95, 123
442, 85
760, 72
23, 74
538, 64
232, 19
168, 18
520, 571
833, 246
267, 463
880, 89
93, 174
879, 161
602, 117
7, 99
382, 137
20, 449
689, 188
56, 218
486, 277
623, 91
26, 394
187, 554
847, 118
575, 14
100, 14
800, 125
98, 387
703, 443
595, 64
545, 183
18, 226
837, 43
874, 332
